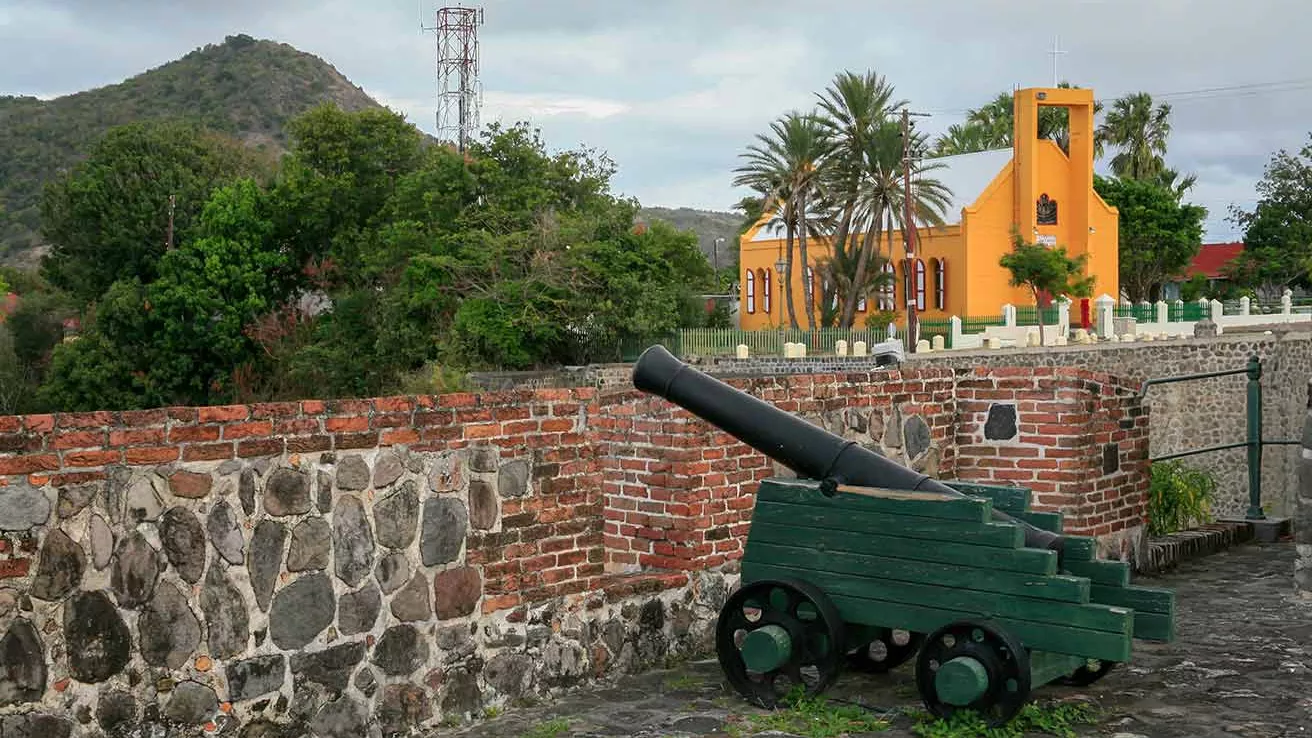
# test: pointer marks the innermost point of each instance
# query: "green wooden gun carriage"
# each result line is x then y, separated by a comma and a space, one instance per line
863, 564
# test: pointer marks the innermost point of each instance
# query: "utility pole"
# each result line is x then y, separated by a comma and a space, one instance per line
909, 231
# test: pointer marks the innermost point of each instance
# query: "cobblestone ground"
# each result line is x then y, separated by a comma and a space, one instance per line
1240, 667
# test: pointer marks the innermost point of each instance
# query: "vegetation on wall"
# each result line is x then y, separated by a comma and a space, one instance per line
1179, 497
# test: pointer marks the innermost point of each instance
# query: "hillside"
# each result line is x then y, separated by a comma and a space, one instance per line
245, 87
708, 225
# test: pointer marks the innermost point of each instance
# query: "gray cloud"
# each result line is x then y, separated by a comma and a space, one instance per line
674, 90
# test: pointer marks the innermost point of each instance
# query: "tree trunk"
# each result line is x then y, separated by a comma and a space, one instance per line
788, 267
859, 276
807, 293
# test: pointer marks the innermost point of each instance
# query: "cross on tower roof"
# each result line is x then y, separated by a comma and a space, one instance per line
1054, 53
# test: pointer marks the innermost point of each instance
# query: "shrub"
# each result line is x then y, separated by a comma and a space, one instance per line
1178, 497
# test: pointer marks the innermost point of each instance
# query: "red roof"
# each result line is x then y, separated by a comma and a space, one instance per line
8, 304
1212, 259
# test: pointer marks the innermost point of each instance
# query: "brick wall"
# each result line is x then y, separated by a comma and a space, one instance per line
459, 540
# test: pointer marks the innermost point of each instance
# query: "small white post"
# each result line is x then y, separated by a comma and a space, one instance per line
954, 324
1217, 310
859, 348
840, 348
1179, 307
743, 351
1009, 316
938, 344
1104, 322
922, 346
1245, 305
1063, 316
1287, 302
1163, 312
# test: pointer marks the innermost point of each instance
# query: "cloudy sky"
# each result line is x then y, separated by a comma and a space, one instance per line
674, 89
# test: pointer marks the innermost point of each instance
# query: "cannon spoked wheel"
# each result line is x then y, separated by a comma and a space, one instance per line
1087, 674
889, 650
774, 636
970, 665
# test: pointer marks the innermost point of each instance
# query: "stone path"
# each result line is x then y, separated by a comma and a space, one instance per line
1240, 667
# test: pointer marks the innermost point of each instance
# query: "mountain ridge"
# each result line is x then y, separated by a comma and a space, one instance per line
244, 87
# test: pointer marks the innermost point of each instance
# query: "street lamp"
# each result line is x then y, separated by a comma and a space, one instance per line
715, 251
781, 267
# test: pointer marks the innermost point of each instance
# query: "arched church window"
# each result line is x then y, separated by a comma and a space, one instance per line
885, 298
920, 284
940, 283
751, 291
765, 289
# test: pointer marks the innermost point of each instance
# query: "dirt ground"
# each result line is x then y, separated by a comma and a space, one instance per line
1239, 667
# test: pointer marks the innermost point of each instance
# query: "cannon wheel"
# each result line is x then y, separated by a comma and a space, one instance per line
1087, 674
889, 650
776, 635
972, 665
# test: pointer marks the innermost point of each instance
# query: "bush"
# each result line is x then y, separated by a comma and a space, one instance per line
1178, 497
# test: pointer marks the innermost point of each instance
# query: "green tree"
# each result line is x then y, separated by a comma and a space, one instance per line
108, 218
1046, 272
1139, 132
1159, 234
783, 167
1278, 231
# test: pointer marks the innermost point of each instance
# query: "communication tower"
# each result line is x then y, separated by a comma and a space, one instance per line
459, 91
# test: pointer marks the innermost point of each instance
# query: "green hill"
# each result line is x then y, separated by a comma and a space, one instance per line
244, 87
708, 225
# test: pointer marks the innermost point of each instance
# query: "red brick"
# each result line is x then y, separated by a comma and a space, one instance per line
86, 420
313, 407
355, 440
151, 455
394, 404
14, 568
248, 430
137, 437
207, 452
39, 423
485, 430
92, 458
400, 437
224, 414
346, 425
307, 444
260, 447
10, 423
193, 433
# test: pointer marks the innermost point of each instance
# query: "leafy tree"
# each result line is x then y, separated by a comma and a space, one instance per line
783, 167
1278, 231
182, 336
1046, 271
1139, 132
108, 218
1159, 234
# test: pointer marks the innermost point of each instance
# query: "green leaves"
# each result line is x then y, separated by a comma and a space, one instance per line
1278, 231
1159, 234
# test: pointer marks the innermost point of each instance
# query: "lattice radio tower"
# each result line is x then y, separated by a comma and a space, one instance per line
459, 91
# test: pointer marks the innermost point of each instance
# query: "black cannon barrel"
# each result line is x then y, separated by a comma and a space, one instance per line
810, 451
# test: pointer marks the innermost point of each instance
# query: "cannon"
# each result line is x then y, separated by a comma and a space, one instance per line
861, 563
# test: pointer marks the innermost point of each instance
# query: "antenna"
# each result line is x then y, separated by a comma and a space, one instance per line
459, 91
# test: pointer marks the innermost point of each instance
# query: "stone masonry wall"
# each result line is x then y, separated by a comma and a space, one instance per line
337, 569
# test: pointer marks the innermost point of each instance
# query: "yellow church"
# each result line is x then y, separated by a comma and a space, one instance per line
1032, 186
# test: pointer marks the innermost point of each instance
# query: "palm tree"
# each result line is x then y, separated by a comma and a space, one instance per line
783, 167
990, 127
1139, 132
855, 110
961, 138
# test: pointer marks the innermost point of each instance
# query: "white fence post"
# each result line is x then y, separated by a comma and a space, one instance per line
1287, 302
1217, 310
1163, 312
954, 325
1104, 323
1245, 305
1009, 316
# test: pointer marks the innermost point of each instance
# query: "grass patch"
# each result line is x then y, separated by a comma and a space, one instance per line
811, 718
549, 729
682, 682
1058, 719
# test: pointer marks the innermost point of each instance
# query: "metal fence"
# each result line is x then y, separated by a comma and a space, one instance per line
764, 342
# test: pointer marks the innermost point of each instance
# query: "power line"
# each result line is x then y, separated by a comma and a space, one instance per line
1251, 89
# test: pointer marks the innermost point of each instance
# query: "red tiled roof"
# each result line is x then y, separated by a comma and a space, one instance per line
8, 304
1212, 259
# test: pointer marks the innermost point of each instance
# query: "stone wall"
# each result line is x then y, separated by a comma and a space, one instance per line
400, 562
1199, 414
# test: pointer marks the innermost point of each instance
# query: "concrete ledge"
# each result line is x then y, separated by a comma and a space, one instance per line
1167, 551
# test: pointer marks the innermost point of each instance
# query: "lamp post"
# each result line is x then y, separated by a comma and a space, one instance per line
715, 253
